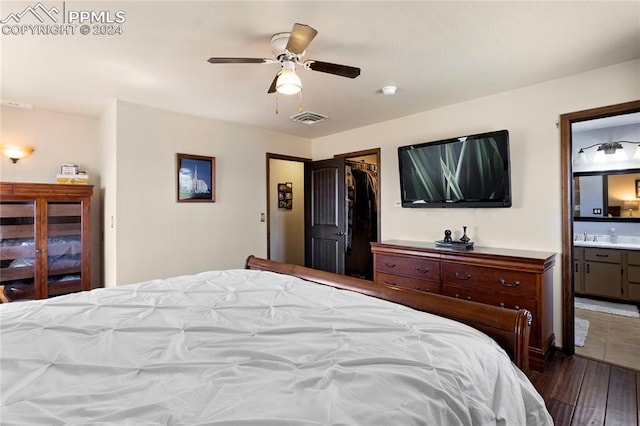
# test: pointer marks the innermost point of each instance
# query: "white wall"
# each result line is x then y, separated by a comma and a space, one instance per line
159, 237
58, 139
287, 226
531, 115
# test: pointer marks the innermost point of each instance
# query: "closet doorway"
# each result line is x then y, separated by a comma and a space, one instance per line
566, 133
343, 213
363, 212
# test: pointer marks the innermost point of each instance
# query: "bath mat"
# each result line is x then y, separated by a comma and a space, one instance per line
608, 307
581, 329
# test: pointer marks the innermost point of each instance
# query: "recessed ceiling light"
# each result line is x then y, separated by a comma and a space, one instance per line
389, 90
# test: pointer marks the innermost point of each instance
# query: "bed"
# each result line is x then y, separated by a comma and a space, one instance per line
271, 344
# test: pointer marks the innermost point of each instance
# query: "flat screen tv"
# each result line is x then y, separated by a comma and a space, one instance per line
467, 171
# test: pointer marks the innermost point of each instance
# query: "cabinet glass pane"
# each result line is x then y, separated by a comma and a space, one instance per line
64, 247
17, 250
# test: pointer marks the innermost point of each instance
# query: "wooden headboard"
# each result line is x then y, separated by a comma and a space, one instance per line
510, 328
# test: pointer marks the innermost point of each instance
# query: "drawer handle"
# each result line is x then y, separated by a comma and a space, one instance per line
390, 265
457, 296
517, 308
502, 304
389, 282
422, 270
468, 297
460, 277
601, 255
506, 284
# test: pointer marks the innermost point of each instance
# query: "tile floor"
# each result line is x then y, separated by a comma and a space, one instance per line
611, 338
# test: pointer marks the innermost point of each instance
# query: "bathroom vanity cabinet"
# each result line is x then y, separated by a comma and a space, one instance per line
603, 272
633, 275
607, 272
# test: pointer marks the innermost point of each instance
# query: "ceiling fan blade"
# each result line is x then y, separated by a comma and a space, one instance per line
341, 70
301, 36
272, 88
241, 61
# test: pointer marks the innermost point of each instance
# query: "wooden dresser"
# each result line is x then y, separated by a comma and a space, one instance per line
511, 279
45, 240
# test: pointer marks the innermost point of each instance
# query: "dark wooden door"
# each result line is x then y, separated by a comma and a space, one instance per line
325, 218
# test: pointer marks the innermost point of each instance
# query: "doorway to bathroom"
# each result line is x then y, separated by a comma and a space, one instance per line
599, 231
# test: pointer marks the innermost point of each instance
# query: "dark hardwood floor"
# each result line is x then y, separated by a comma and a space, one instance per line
580, 391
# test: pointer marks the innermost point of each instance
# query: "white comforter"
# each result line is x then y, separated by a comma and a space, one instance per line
246, 347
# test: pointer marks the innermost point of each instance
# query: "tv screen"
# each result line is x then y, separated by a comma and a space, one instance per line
468, 171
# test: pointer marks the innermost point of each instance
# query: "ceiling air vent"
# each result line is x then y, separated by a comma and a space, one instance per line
308, 117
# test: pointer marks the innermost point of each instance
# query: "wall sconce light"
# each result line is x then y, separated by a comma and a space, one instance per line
15, 152
604, 149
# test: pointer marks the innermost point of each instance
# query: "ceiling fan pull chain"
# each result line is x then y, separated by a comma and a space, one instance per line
300, 109
277, 105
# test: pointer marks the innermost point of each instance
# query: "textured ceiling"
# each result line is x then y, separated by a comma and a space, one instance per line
437, 53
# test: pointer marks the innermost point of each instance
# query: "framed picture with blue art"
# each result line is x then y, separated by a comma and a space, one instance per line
196, 178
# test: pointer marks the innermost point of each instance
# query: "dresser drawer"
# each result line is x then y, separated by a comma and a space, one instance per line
496, 299
408, 282
502, 300
409, 267
490, 279
602, 255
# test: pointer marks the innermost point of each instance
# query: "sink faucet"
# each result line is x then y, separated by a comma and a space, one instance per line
595, 238
585, 236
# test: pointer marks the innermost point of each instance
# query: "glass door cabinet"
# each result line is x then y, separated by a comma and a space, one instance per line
45, 240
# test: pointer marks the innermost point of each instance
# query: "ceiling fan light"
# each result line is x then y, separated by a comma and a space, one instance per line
288, 83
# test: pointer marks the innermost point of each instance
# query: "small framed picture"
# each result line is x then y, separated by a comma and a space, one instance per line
637, 188
69, 169
285, 195
195, 178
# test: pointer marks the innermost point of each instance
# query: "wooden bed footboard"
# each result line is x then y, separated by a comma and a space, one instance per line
510, 328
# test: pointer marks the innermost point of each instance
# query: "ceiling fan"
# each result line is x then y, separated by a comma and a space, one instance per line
288, 50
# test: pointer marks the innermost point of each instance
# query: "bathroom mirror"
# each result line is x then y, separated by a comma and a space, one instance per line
607, 196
